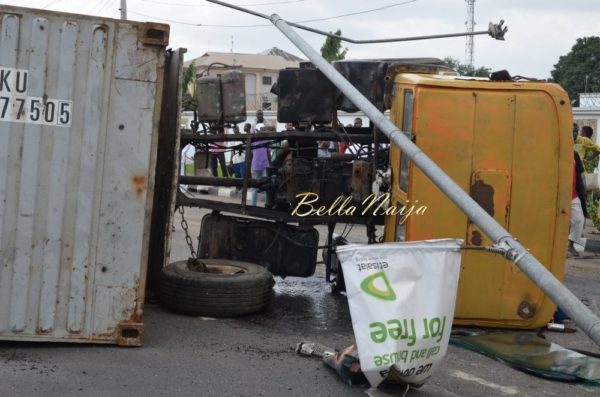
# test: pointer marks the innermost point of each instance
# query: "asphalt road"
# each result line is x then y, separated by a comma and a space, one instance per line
254, 355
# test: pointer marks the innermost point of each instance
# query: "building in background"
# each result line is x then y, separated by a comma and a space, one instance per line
260, 72
588, 112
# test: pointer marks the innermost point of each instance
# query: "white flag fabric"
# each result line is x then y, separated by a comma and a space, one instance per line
401, 298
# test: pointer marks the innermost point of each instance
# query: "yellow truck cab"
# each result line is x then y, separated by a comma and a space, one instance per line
509, 145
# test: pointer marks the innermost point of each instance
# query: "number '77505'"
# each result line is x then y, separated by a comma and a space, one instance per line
36, 110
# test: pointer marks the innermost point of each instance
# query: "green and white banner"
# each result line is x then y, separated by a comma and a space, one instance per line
401, 298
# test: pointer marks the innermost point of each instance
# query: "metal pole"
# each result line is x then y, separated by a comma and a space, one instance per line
123, 9
584, 317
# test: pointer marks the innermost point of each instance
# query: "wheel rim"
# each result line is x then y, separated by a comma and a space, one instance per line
223, 269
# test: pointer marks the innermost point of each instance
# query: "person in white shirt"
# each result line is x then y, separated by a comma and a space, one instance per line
325, 149
238, 160
259, 121
187, 159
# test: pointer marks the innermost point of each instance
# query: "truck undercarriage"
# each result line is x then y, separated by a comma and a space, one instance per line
281, 239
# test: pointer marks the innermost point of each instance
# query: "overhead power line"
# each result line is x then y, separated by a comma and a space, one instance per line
163, 19
106, 7
50, 4
98, 6
266, 25
214, 6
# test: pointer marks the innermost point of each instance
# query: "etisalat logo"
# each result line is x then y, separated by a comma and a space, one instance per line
372, 283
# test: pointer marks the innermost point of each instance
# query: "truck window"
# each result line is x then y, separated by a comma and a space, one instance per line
407, 116
400, 228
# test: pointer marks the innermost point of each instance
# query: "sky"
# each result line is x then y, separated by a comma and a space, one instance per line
539, 32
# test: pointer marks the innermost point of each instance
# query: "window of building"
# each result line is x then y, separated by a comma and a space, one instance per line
267, 80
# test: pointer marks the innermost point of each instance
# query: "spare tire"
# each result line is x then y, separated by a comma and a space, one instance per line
229, 289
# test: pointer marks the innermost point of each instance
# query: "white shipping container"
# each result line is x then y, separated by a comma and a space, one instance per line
79, 112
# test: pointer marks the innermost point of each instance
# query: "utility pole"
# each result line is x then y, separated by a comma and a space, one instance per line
123, 9
470, 24
587, 76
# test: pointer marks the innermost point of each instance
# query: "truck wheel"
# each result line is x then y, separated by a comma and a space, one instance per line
228, 289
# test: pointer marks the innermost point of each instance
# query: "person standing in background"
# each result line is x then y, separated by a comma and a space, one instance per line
325, 148
217, 153
259, 120
277, 144
238, 157
578, 208
260, 161
586, 148
343, 145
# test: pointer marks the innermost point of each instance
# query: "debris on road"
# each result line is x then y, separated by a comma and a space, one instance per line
314, 349
565, 327
347, 365
527, 352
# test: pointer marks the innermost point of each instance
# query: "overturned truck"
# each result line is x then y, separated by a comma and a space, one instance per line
498, 138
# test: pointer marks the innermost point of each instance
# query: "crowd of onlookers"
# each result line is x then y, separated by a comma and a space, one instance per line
585, 161
262, 151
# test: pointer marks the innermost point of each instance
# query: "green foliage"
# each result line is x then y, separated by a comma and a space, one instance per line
332, 48
592, 209
189, 76
590, 163
583, 60
188, 102
467, 70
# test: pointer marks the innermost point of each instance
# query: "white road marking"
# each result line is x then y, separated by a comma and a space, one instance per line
510, 391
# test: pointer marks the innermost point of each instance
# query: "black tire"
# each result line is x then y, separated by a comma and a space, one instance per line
215, 294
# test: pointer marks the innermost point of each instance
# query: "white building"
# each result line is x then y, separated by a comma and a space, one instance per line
588, 112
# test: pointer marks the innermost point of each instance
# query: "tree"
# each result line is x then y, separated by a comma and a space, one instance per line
579, 70
188, 81
467, 70
332, 48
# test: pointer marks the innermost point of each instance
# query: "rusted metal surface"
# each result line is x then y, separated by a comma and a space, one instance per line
491, 190
155, 34
411, 65
352, 135
276, 215
130, 334
327, 178
167, 166
361, 180
208, 95
217, 181
298, 173
483, 194
234, 96
375, 78
285, 250
77, 155
221, 98
526, 310
367, 76
304, 95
